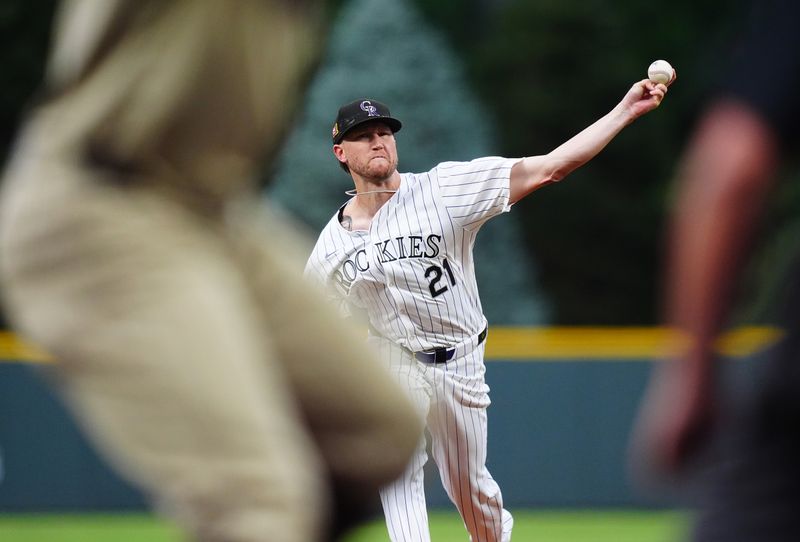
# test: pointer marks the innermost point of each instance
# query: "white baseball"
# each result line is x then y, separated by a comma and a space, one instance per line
660, 71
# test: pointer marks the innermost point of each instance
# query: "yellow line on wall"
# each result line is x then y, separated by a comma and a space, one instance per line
12, 348
538, 343
611, 343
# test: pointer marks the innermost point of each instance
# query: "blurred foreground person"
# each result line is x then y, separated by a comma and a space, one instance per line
725, 177
135, 250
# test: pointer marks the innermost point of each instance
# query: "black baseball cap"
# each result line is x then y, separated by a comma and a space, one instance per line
361, 111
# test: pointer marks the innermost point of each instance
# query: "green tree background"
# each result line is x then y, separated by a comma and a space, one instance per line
546, 69
24, 37
525, 75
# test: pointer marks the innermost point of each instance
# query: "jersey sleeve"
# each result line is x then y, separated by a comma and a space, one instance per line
319, 271
315, 270
475, 191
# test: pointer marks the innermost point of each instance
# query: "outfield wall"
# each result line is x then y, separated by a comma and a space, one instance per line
563, 401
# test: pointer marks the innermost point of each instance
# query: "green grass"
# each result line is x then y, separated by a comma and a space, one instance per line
85, 528
529, 526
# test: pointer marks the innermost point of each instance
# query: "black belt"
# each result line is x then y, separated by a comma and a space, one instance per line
442, 354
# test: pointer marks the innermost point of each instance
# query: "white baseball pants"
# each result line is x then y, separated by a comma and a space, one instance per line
452, 398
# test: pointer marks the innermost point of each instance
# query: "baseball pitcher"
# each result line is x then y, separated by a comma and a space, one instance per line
400, 251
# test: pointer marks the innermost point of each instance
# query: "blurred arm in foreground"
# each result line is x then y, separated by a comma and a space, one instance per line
135, 249
723, 183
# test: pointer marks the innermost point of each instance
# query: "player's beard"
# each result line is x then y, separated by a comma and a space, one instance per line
376, 170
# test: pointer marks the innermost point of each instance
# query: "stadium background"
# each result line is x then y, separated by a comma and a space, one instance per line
569, 279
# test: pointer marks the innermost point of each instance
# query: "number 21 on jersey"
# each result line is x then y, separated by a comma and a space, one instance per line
438, 283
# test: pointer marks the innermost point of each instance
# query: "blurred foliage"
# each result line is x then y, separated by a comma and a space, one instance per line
544, 69
548, 68
24, 37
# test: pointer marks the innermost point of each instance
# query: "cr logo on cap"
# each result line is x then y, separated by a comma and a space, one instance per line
371, 110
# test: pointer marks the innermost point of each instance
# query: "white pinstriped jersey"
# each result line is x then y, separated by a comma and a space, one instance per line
413, 272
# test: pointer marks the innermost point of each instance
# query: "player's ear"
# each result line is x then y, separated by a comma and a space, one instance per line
338, 152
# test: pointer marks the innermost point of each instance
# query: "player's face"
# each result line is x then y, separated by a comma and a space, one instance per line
369, 151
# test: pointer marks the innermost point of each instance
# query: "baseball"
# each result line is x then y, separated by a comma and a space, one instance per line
660, 71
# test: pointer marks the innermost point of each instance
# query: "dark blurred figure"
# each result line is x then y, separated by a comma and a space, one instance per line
752, 492
135, 249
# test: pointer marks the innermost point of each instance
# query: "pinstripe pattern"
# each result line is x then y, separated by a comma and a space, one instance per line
413, 274
434, 217
452, 398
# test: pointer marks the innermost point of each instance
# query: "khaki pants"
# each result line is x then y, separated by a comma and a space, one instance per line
188, 344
